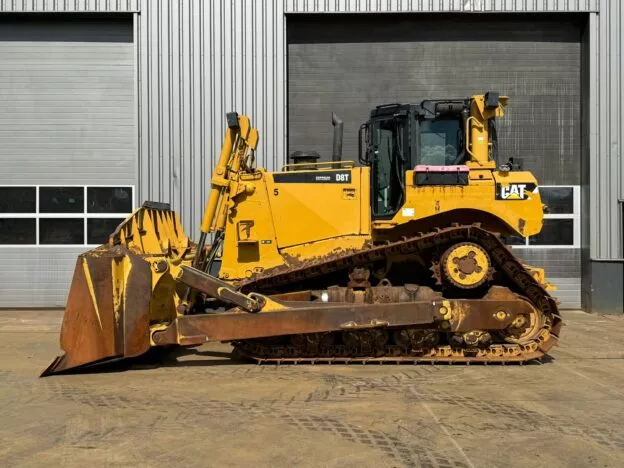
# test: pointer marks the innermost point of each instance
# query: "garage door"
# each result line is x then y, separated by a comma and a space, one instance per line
67, 147
351, 63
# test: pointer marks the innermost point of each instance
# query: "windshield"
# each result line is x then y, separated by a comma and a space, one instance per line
440, 142
388, 165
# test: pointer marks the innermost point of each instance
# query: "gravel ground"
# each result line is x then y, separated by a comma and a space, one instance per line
199, 408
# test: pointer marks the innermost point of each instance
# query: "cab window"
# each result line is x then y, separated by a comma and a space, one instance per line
440, 142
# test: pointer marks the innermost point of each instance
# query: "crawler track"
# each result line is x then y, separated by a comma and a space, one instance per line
510, 273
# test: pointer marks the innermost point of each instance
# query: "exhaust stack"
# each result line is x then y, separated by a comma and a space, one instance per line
338, 133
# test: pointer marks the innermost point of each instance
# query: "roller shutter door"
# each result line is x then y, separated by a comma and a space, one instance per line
67, 119
351, 63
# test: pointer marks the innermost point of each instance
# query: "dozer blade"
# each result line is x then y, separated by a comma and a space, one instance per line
119, 288
107, 312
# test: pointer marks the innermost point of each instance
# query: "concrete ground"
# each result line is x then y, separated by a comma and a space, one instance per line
204, 410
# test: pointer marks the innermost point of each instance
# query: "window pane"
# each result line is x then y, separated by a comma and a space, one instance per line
388, 143
98, 229
555, 232
439, 142
18, 199
61, 200
61, 231
109, 199
560, 200
21, 231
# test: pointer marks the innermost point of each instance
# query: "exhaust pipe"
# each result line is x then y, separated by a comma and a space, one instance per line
338, 133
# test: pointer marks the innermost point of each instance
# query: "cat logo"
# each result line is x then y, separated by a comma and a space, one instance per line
515, 191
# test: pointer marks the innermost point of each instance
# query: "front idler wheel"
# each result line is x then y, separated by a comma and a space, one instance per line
525, 328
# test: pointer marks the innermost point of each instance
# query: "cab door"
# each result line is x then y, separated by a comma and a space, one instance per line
389, 159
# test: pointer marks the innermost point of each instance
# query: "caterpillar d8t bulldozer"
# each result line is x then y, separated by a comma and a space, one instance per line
400, 258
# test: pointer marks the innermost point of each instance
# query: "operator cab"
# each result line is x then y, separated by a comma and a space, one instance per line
402, 137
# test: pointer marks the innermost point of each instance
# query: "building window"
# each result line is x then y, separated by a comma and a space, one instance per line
562, 220
18, 199
98, 229
555, 232
61, 200
109, 200
18, 231
61, 231
62, 215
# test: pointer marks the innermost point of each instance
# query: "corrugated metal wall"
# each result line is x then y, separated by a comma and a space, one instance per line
199, 59
606, 133
69, 6
471, 6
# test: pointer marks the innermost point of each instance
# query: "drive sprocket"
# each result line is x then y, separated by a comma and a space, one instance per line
466, 265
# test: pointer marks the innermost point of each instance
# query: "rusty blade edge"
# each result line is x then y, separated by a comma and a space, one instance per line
56, 367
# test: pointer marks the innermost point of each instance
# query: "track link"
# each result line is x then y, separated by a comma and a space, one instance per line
516, 277
498, 353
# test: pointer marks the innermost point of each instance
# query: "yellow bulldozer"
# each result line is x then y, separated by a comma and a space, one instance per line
402, 257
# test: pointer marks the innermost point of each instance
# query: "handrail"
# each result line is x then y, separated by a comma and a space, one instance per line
320, 165
468, 135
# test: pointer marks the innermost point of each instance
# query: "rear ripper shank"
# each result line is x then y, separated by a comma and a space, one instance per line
400, 259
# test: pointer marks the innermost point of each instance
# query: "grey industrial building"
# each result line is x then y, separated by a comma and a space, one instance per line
105, 103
